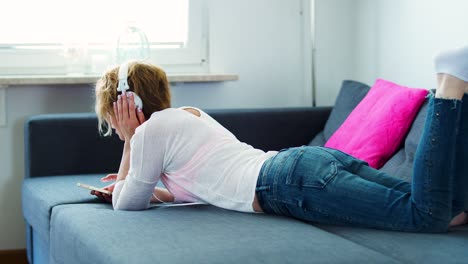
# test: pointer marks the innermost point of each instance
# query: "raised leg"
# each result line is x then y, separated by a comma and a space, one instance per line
311, 185
460, 199
452, 66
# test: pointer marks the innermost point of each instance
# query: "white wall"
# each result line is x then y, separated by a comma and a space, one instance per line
335, 44
260, 40
397, 39
392, 39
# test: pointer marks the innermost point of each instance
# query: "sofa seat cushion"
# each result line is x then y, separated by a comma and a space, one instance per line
410, 247
193, 234
40, 195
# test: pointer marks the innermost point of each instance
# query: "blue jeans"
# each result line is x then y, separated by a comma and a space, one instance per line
461, 161
323, 185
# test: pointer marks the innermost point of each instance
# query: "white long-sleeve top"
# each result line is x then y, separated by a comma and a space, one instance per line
196, 158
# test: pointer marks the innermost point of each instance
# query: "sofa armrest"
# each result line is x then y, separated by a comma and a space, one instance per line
276, 128
66, 144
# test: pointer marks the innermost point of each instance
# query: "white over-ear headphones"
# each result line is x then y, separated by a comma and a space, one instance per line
124, 87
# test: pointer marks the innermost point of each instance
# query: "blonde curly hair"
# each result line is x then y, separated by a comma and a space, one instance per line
148, 81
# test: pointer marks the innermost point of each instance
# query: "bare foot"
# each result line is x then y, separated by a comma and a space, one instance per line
460, 219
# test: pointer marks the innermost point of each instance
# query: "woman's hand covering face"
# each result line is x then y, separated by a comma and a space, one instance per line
127, 117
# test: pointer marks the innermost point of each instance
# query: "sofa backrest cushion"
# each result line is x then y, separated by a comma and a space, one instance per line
68, 143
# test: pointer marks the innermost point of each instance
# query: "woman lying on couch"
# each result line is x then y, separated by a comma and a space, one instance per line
198, 160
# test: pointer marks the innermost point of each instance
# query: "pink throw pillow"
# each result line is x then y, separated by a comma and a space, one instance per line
377, 126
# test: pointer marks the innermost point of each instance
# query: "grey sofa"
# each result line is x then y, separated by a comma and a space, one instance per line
65, 224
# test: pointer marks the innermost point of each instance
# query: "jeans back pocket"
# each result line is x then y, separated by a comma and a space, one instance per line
313, 168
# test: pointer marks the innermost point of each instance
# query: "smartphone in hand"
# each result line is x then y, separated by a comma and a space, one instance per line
93, 188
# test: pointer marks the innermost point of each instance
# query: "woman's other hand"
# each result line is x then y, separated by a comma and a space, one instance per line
128, 117
109, 177
110, 187
161, 195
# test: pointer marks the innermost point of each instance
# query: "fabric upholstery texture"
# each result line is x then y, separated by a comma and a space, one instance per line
410, 247
275, 129
40, 252
72, 157
194, 234
377, 126
41, 194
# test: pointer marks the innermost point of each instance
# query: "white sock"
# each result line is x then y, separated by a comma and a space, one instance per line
453, 62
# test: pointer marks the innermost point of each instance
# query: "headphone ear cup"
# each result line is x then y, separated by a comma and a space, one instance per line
137, 99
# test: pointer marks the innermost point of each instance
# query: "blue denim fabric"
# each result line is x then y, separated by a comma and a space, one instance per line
461, 161
323, 185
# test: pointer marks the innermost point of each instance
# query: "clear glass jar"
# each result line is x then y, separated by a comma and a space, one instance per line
132, 44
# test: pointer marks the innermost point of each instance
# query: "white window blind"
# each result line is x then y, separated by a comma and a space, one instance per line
59, 37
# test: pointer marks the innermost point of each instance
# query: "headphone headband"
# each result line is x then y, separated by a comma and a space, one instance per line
123, 76
123, 84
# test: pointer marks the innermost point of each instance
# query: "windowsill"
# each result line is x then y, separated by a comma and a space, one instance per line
91, 79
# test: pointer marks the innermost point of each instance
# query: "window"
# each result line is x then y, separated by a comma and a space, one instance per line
59, 37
